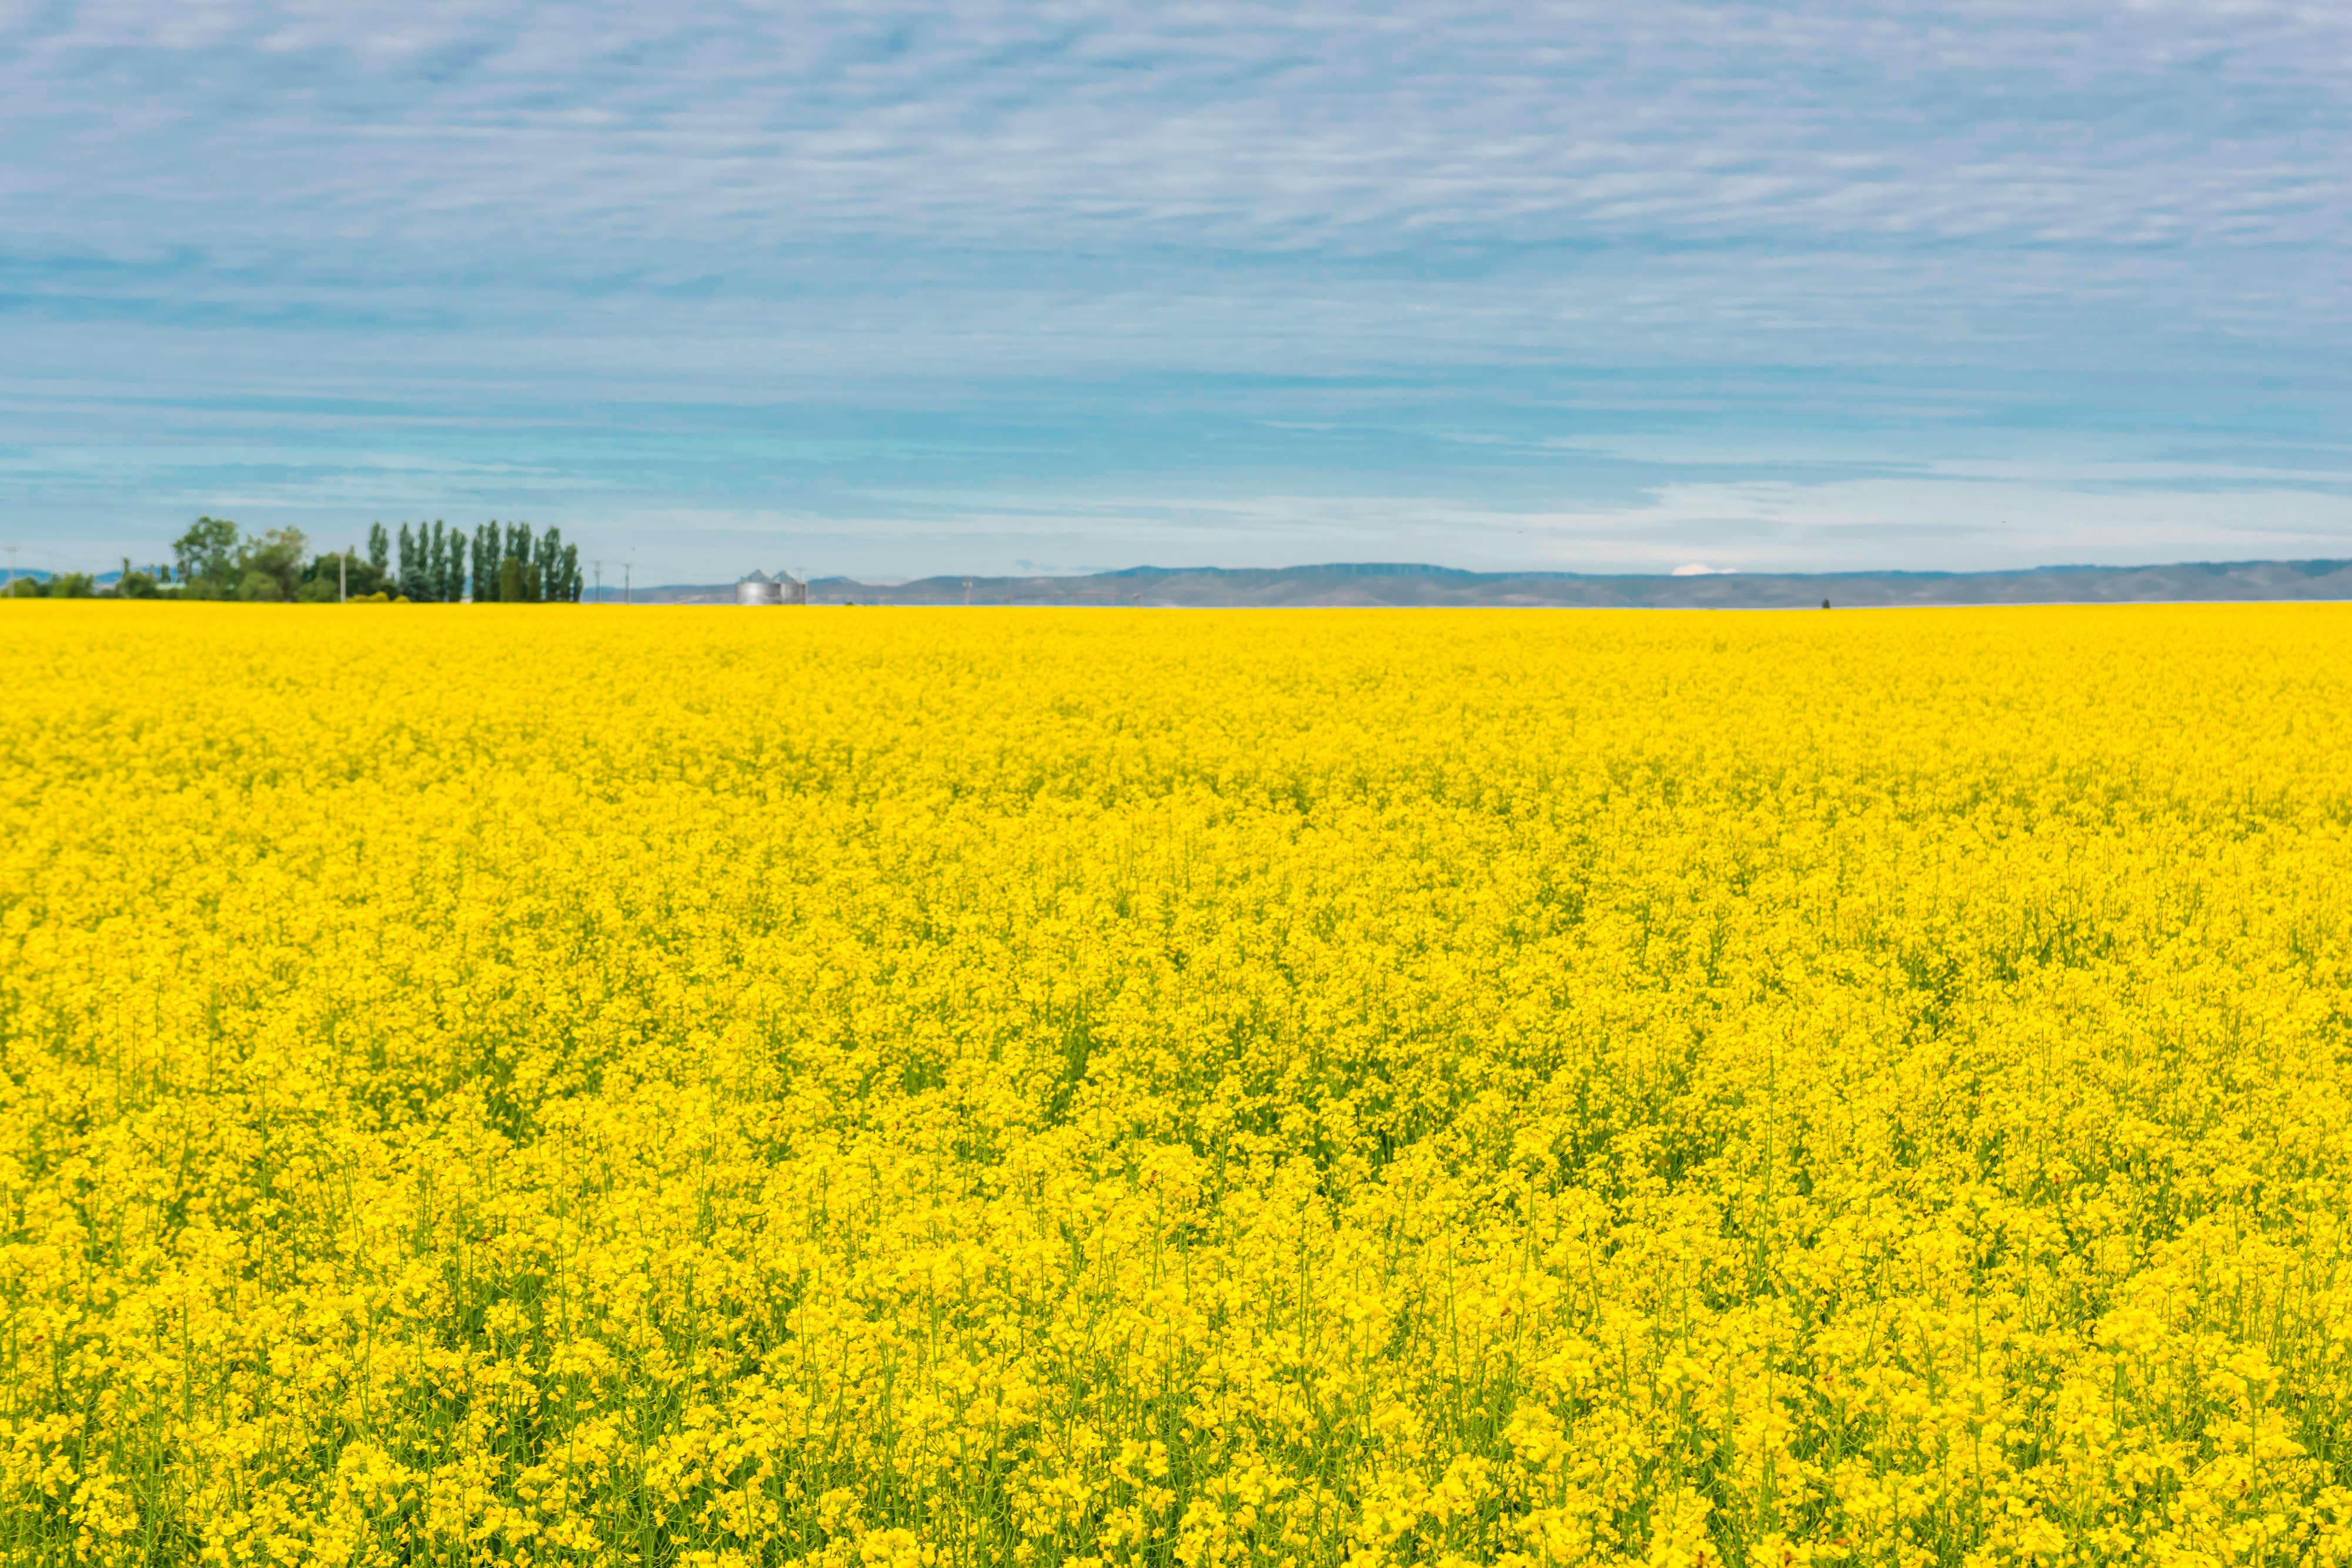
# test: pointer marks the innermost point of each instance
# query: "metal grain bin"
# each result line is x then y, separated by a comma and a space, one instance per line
758, 588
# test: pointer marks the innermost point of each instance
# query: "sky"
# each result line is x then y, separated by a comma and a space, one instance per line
1067, 286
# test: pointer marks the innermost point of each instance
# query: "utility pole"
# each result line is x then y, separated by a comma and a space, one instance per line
627, 569
343, 577
600, 584
12, 571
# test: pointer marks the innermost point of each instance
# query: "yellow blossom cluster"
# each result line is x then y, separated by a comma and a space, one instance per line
1316, 1089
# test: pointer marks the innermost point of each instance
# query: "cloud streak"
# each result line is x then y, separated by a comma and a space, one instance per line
404, 227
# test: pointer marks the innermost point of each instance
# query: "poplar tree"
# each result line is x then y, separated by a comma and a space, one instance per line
513, 565
486, 563
379, 549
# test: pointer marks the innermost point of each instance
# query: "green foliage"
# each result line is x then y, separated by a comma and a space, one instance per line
423, 563
207, 552
514, 565
485, 570
432, 567
339, 574
132, 583
276, 555
215, 560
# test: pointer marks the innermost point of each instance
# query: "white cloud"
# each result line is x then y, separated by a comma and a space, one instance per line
695, 131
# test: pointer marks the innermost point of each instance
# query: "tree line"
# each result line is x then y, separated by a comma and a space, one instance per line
502, 563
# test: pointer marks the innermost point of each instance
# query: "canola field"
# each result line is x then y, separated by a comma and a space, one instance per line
1322, 1090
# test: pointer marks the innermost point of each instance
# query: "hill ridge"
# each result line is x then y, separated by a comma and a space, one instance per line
1372, 584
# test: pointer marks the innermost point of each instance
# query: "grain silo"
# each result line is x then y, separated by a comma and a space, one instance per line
758, 588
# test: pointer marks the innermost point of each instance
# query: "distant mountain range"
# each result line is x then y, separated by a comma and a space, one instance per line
1407, 585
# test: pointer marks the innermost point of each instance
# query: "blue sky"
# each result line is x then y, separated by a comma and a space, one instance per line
1058, 287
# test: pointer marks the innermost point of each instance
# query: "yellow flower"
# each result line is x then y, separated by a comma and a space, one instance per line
1110, 1089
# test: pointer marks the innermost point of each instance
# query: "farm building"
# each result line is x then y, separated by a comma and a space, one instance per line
759, 588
